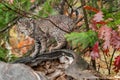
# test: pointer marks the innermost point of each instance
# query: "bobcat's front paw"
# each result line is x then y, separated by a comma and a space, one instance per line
52, 49
33, 54
59, 46
42, 51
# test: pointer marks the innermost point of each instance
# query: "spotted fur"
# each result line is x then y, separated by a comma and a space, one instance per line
41, 29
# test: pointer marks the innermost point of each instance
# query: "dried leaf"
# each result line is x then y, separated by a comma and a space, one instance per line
95, 51
91, 9
117, 64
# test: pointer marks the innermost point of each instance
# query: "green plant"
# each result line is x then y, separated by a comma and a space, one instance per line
83, 38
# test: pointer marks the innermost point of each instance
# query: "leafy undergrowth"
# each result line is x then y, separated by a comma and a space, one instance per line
100, 43
104, 51
102, 68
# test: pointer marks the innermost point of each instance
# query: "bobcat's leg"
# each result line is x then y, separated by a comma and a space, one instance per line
60, 44
43, 45
59, 37
37, 48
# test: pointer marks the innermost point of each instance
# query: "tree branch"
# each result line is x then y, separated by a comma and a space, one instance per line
14, 21
85, 15
111, 59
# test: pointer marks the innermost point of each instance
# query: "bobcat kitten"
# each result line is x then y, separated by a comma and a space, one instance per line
41, 29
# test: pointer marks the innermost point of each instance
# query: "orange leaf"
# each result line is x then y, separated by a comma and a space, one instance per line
24, 50
102, 22
20, 44
91, 9
24, 45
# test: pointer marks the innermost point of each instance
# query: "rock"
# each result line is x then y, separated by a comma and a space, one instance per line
79, 70
18, 72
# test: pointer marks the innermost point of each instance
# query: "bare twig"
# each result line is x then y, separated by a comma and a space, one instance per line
85, 15
105, 58
74, 3
68, 4
24, 13
14, 21
11, 23
111, 59
55, 25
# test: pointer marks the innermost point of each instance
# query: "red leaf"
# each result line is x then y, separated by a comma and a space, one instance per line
105, 34
93, 25
91, 9
102, 22
117, 64
106, 52
115, 40
95, 51
98, 17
